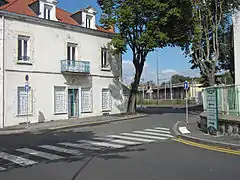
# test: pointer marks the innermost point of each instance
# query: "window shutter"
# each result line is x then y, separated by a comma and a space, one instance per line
19, 49
86, 100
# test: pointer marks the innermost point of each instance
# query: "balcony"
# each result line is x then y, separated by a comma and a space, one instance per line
72, 66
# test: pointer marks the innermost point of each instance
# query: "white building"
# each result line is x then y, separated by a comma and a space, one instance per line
236, 31
72, 73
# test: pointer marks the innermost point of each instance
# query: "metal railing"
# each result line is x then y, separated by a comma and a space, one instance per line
228, 100
75, 66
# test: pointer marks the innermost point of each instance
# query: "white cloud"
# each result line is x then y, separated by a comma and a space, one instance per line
148, 74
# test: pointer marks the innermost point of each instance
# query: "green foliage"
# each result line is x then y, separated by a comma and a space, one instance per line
210, 18
144, 25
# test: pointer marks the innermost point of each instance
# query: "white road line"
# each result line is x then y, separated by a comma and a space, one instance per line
158, 131
184, 130
39, 153
105, 144
2, 168
60, 149
152, 133
16, 159
161, 128
119, 141
82, 146
144, 136
130, 138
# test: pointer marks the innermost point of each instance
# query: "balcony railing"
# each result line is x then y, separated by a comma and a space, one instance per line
75, 66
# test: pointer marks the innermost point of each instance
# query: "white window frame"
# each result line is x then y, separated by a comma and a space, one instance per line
109, 108
23, 53
90, 100
47, 12
71, 46
105, 59
88, 21
20, 89
64, 110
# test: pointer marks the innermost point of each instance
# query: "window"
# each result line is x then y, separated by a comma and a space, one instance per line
71, 51
59, 100
47, 12
88, 21
106, 100
86, 99
23, 48
24, 101
104, 59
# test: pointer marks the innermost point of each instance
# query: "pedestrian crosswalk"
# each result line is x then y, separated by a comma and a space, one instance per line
27, 156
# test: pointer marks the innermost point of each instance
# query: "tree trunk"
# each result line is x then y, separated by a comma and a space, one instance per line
134, 89
211, 78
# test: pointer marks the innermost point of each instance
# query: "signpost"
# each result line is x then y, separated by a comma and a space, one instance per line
186, 86
26, 88
212, 110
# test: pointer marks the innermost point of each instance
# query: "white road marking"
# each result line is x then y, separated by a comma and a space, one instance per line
152, 133
82, 146
130, 138
159, 131
161, 128
184, 130
119, 141
2, 168
60, 149
105, 144
16, 159
144, 136
39, 153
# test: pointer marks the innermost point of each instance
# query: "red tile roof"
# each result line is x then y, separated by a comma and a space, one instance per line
22, 7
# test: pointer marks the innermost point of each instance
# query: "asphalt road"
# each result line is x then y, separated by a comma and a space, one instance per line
159, 159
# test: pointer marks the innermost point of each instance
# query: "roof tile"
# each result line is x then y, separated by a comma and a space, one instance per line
22, 7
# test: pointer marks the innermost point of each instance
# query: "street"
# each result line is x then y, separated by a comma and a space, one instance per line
141, 149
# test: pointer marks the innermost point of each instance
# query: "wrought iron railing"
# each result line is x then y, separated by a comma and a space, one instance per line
75, 66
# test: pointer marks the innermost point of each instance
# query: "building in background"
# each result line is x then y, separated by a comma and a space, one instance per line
71, 72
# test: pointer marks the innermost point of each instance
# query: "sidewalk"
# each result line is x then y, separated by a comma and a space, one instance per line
191, 132
68, 123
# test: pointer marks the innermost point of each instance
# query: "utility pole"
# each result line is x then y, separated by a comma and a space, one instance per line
157, 79
171, 94
165, 90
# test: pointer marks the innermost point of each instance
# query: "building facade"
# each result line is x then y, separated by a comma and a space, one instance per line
70, 68
236, 33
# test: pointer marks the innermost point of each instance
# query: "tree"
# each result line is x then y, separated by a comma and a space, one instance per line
144, 25
208, 17
226, 58
179, 79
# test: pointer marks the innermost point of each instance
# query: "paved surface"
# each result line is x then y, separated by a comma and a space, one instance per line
67, 123
136, 149
196, 134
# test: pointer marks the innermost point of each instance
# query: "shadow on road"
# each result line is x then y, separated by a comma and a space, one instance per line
197, 109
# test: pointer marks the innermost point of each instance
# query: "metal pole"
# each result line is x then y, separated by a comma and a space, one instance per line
186, 107
27, 110
171, 89
165, 90
157, 80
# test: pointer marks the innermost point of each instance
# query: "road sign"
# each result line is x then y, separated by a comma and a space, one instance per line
26, 87
212, 109
185, 84
26, 78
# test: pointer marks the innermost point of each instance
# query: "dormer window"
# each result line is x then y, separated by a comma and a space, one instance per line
88, 21
47, 12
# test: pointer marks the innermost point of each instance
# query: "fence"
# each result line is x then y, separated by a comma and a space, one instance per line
228, 100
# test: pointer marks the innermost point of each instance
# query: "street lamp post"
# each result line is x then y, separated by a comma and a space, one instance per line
157, 79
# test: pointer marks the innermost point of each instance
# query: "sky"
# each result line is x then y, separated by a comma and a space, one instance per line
170, 60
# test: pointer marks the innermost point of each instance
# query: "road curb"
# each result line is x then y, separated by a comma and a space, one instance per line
91, 123
203, 141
